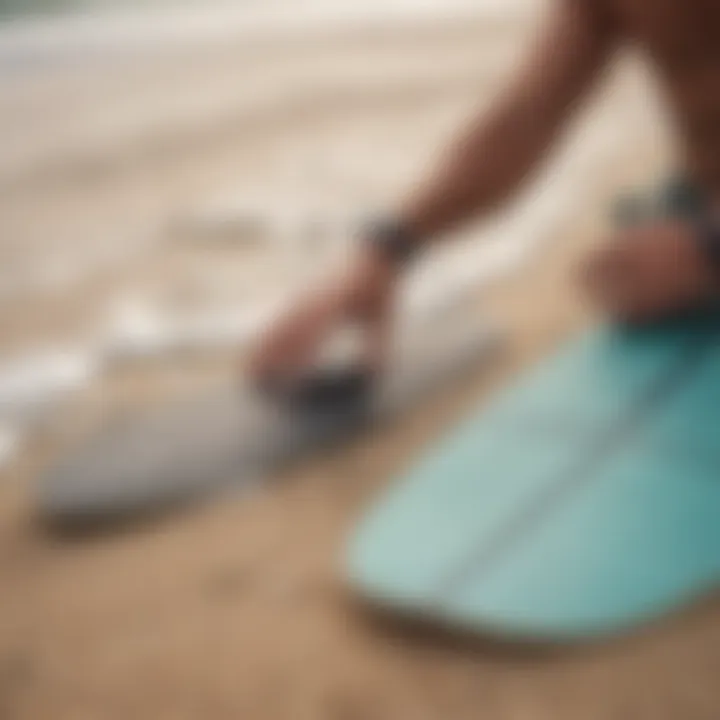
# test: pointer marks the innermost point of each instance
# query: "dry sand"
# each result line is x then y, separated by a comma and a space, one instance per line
237, 609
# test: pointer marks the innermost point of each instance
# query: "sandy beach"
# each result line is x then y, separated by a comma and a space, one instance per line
237, 609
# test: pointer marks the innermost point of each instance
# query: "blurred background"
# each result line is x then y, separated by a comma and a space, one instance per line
171, 173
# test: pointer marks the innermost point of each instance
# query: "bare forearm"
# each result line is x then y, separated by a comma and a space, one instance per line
489, 161
480, 170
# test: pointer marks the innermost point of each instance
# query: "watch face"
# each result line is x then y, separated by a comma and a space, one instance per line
393, 238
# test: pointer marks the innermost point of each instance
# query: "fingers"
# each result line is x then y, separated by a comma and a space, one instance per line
648, 273
361, 295
612, 282
292, 341
377, 335
625, 288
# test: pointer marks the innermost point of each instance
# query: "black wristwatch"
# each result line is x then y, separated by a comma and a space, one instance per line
393, 238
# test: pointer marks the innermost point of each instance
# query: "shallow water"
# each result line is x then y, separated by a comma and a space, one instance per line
24, 8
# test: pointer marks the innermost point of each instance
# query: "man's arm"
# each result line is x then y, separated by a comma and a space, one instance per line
481, 168
488, 162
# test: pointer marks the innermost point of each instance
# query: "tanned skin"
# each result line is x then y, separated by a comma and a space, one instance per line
638, 275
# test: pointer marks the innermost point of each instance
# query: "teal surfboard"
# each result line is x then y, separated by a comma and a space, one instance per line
581, 502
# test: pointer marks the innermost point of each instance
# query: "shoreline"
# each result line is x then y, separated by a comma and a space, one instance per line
112, 34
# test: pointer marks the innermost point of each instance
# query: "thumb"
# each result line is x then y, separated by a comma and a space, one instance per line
377, 329
291, 341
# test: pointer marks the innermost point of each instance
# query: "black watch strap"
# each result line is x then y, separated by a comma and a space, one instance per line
393, 238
